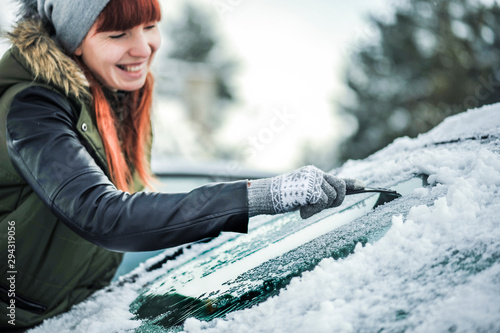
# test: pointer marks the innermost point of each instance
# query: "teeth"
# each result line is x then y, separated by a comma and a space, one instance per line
131, 68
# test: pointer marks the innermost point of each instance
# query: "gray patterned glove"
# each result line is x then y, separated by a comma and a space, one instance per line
308, 189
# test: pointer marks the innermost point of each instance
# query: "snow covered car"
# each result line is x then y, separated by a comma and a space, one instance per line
425, 261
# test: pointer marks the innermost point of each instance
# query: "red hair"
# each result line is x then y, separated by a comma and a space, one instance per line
121, 15
135, 130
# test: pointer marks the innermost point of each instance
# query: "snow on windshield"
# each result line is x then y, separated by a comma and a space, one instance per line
436, 269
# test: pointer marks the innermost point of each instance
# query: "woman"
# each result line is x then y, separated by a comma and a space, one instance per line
75, 100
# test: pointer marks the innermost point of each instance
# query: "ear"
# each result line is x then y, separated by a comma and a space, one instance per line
78, 52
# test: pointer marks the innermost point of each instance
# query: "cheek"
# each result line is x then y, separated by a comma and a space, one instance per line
102, 62
155, 42
96, 56
108, 58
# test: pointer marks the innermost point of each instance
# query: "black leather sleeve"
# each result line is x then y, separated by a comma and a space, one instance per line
46, 150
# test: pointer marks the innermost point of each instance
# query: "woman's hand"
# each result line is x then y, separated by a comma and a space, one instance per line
308, 189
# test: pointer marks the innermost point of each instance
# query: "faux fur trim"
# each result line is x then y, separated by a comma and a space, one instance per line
28, 8
47, 61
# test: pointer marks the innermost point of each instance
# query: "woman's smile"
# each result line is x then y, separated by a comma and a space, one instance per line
135, 71
131, 68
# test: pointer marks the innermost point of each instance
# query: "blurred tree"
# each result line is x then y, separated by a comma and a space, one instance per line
193, 36
198, 71
195, 40
434, 59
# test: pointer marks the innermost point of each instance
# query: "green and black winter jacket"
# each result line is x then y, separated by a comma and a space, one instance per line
70, 222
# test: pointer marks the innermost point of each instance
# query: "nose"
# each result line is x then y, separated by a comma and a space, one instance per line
140, 46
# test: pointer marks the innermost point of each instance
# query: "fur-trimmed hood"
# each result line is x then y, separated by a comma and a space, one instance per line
45, 60
28, 8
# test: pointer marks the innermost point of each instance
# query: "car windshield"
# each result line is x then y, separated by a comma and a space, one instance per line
248, 269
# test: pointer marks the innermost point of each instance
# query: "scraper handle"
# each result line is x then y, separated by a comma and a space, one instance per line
372, 190
354, 186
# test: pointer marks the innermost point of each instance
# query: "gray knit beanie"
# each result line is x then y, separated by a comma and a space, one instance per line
70, 19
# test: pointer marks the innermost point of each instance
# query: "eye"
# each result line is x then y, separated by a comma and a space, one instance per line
149, 27
119, 35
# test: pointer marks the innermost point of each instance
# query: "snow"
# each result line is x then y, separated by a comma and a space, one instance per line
436, 269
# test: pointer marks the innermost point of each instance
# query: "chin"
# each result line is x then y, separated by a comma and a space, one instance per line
131, 86
130, 89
